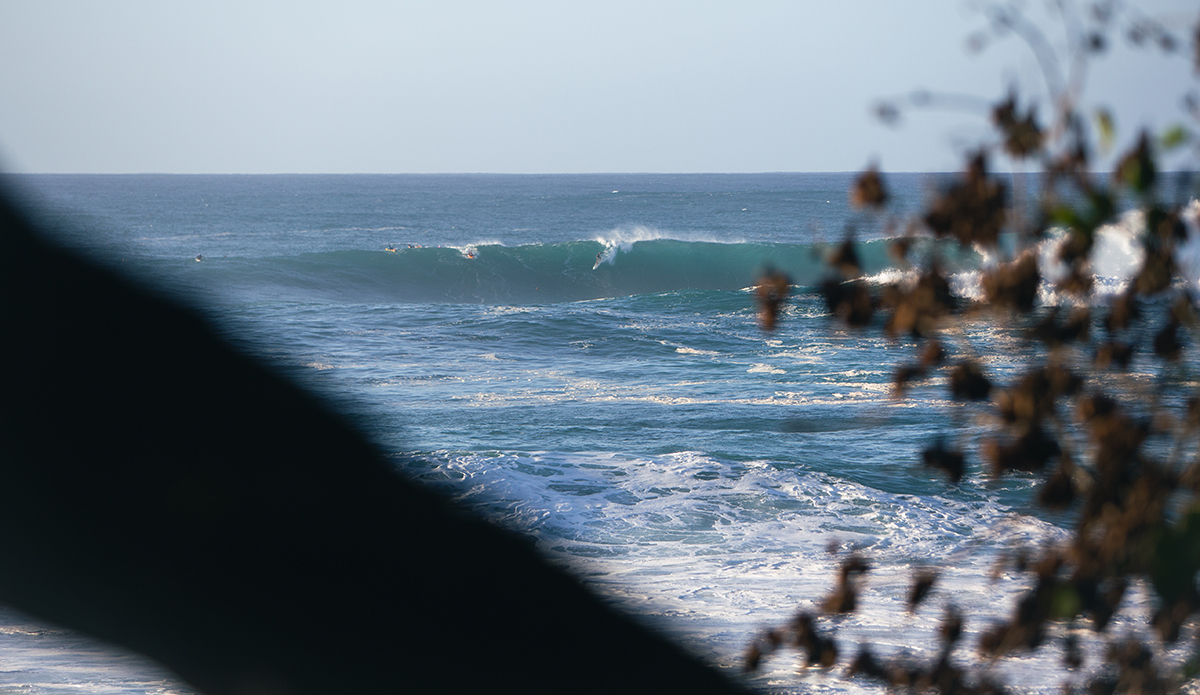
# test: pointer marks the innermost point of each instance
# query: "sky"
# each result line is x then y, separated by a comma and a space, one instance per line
256, 86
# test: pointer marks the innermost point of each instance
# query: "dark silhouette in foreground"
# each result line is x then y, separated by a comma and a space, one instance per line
167, 494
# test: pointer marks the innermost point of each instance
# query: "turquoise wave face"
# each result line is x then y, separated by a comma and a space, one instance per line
526, 274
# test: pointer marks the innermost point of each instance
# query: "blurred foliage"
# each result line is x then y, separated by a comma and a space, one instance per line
1120, 457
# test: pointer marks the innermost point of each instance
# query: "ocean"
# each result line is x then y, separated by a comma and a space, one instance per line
578, 358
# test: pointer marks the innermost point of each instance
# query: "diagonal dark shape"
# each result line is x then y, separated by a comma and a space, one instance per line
163, 492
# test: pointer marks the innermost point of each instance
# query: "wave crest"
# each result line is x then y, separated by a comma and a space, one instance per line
632, 261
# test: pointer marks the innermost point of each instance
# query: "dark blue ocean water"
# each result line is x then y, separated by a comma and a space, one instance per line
579, 358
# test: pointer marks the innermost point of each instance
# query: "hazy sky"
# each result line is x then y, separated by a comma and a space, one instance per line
518, 86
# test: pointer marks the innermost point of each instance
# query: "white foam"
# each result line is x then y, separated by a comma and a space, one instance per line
506, 310
1116, 257
1187, 254
622, 239
1116, 251
966, 285
894, 276
712, 552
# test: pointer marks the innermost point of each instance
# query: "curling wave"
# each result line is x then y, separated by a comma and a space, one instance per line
625, 265
527, 274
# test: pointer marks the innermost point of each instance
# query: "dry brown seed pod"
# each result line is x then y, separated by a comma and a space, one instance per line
973, 209
1072, 655
771, 293
818, 649
868, 190
932, 354
1058, 492
1077, 282
1155, 275
1116, 353
844, 259
1192, 421
899, 248
865, 664
949, 460
1183, 310
849, 301
752, 658
1166, 342
1033, 397
1122, 312
1030, 451
951, 627
1022, 136
922, 584
844, 598
1013, 285
968, 382
919, 309
904, 374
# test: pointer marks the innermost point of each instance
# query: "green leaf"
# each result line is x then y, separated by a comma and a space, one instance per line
1174, 137
1108, 128
1064, 603
1064, 215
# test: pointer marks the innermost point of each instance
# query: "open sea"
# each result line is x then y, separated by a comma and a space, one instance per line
578, 358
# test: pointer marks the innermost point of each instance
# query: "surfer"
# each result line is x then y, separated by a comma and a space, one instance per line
199, 257
599, 260
391, 248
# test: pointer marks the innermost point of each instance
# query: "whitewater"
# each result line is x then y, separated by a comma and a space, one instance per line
578, 359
